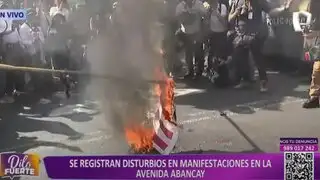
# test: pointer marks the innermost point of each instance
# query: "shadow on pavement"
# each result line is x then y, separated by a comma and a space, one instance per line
13, 121
59, 106
243, 134
242, 101
248, 101
22, 144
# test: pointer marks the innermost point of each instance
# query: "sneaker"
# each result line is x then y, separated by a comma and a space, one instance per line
7, 100
311, 103
263, 87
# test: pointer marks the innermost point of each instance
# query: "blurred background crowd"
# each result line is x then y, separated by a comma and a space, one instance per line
221, 40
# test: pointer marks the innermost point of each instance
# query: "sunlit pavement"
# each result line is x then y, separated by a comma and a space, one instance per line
253, 122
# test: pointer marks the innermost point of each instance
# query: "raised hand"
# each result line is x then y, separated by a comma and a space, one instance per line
206, 5
288, 3
60, 5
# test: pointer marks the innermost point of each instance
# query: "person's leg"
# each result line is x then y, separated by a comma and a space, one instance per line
20, 60
314, 93
9, 88
62, 62
222, 45
199, 57
10, 77
241, 61
212, 48
223, 69
169, 49
258, 58
189, 54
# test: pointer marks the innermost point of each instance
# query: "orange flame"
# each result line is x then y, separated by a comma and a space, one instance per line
139, 136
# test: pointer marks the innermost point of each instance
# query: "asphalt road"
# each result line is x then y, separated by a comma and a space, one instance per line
254, 121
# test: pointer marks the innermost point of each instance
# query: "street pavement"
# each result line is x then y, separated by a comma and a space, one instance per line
253, 122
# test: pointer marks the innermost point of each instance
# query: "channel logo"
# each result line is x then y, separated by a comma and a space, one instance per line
16, 165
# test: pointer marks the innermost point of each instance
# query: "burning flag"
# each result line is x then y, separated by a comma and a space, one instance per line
160, 131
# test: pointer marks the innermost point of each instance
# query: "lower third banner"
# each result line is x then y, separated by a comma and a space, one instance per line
290, 165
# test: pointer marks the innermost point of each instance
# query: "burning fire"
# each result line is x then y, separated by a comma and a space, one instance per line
140, 136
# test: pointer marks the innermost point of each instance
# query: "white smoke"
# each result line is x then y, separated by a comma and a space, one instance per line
126, 52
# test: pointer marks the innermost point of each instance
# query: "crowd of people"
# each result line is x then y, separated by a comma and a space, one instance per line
49, 38
228, 30
232, 30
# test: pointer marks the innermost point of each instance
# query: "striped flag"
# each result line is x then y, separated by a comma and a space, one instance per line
166, 133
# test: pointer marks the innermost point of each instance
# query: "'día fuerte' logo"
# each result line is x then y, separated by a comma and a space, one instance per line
16, 164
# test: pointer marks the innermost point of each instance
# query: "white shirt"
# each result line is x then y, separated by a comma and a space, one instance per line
215, 24
195, 14
12, 37
55, 10
28, 37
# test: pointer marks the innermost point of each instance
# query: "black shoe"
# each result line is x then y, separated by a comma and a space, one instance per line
311, 103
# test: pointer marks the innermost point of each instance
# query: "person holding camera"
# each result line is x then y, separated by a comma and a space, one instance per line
312, 53
251, 34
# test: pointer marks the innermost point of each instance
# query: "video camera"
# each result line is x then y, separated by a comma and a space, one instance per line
302, 22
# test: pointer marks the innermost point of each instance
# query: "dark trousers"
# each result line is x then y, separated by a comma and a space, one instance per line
217, 46
33, 60
194, 49
14, 79
61, 61
241, 58
169, 45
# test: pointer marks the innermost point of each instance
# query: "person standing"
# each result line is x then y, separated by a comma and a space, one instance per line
251, 35
61, 7
32, 39
171, 26
12, 56
57, 46
218, 36
314, 92
190, 14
